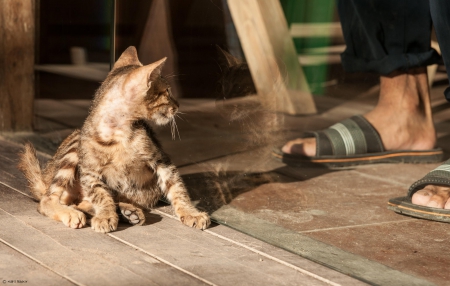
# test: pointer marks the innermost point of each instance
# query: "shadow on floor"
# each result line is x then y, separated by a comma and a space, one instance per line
213, 190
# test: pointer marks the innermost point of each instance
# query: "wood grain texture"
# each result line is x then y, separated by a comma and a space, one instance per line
81, 256
14, 266
162, 252
16, 64
271, 55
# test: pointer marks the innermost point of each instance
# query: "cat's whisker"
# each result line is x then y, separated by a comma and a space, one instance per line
171, 76
179, 117
176, 128
172, 128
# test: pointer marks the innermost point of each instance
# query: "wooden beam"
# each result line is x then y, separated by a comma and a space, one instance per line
271, 56
158, 29
16, 64
313, 30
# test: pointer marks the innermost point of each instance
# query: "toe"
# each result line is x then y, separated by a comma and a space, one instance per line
435, 202
421, 197
66, 220
433, 196
302, 146
447, 204
286, 148
289, 146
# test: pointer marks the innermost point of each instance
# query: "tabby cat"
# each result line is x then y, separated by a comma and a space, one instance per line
115, 159
236, 91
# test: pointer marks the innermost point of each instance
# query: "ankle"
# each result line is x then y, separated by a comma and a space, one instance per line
405, 92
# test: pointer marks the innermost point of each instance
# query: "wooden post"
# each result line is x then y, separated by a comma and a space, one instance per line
158, 29
271, 56
16, 64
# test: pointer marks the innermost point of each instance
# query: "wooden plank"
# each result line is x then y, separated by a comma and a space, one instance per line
214, 259
197, 252
15, 268
16, 64
314, 30
62, 112
91, 71
13, 196
348, 263
219, 261
271, 55
82, 256
291, 260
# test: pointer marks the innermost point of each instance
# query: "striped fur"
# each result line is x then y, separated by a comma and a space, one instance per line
115, 158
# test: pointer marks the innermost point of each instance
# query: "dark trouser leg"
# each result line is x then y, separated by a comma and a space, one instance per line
440, 12
385, 35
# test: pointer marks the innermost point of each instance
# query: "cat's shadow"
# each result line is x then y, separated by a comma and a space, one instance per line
212, 190
150, 218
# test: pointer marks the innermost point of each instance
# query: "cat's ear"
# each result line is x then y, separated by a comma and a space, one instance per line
127, 58
140, 79
156, 72
226, 60
147, 74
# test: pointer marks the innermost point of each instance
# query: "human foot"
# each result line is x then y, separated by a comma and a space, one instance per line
434, 196
434, 188
427, 198
403, 110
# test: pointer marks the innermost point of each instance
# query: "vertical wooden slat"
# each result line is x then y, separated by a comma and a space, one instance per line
271, 56
158, 29
16, 64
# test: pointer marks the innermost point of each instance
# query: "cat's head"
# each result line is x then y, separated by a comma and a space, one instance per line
236, 80
236, 98
142, 88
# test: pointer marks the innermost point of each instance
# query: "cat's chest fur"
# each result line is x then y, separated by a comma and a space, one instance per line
126, 170
126, 166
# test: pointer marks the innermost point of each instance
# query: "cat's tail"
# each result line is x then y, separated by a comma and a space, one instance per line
29, 165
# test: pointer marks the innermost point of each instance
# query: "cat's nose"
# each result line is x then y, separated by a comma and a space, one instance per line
173, 110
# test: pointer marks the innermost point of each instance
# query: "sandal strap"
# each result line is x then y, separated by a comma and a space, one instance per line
438, 176
351, 136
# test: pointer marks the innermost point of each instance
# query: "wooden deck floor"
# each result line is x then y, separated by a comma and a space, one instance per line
38, 251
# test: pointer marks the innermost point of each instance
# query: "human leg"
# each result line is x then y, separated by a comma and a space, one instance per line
438, 195
428, 197
403, 109
378, 41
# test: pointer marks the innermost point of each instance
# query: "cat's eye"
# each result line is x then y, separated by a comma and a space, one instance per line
164, 92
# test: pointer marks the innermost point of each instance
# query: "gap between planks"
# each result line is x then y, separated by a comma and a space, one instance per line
303, 271
113, 237
40, 263
358, 225
296, 268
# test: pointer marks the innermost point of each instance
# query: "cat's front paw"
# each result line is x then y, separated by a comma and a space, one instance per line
132, 214
105, 224
198, 220
73, 218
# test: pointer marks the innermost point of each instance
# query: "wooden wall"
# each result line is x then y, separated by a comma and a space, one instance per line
16, 64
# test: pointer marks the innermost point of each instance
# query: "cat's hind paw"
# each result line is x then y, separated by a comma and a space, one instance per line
199, 220
105, 224
131, 214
